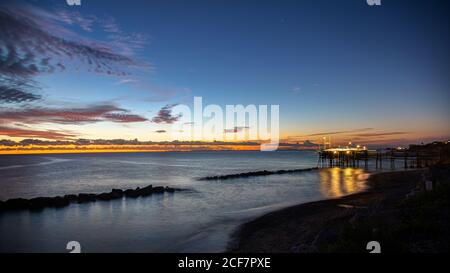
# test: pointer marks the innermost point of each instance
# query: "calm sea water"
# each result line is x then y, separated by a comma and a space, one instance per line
200, 220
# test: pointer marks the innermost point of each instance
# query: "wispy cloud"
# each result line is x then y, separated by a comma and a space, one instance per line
340, 132
123, 118
165, 115
90, 114
75, 18
125, 42
28, 49
126, 81
382, 134
11, 94
235, 130
28, 133
33, 42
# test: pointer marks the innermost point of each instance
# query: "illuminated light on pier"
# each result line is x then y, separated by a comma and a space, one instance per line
353, 156
346, 149
349, 156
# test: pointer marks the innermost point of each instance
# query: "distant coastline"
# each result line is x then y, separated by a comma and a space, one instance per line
32, 146
101, 151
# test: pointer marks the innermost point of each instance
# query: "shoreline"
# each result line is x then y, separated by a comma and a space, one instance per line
306, 227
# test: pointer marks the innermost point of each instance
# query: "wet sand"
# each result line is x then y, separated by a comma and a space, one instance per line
307, 227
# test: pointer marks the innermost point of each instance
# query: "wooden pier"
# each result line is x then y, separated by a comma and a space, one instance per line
360, 157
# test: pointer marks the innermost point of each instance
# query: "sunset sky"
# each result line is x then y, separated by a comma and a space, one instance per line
114, 69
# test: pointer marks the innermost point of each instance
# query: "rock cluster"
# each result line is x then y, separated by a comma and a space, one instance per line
39, 203
258, 173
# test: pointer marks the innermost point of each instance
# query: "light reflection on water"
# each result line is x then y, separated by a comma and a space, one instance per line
336, 182
200, 220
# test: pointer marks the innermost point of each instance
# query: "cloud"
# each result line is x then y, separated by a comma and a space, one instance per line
126, 43
33, 42
160, 131
308, 143
28, 49
13, 95
340, 132
17, 90
90, 114
49, 134
124, 118
110, 25
381, 134
165, 115
75, 18
235, 130
126, 80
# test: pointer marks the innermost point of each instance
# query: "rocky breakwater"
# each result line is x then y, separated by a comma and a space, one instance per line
257, 173
39, 203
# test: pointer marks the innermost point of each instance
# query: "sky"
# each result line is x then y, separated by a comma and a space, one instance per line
115, 69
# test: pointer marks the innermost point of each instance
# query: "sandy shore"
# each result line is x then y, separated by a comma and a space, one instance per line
308, 227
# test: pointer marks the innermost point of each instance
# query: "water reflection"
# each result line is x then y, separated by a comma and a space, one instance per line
336, 182
200, 220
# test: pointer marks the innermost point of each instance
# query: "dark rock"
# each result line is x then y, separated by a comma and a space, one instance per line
132, 193
257, 173
59, 202
40, 203
117, 192
158, 189
17, 203
86, 197
106, 196
146, 191
169, 189
44, 202
71, 197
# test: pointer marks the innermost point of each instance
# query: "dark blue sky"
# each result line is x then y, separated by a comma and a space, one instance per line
330, 65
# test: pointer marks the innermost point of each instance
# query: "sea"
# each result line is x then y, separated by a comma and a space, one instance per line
201, 219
